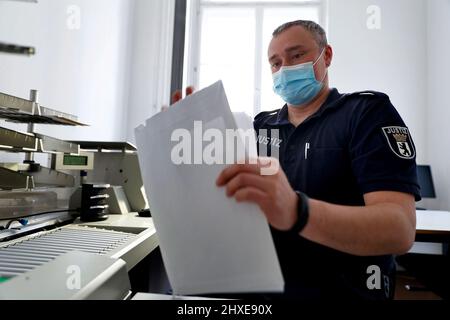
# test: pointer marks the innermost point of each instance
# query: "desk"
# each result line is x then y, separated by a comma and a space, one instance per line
432, 232
428, 259
433, 226
433, 221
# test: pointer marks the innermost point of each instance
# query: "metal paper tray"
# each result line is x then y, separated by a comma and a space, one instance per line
22, 117
20, 110
11, 179
15, 141
52, 145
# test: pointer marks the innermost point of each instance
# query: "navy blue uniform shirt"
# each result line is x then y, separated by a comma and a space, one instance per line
355, 144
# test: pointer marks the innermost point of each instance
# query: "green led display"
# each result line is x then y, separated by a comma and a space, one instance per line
2, 279
75, 160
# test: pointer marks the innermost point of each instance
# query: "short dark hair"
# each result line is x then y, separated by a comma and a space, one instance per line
315, 29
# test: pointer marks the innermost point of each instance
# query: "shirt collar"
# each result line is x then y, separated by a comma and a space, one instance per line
282, 117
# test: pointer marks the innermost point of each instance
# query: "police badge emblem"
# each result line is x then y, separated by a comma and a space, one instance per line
400, 142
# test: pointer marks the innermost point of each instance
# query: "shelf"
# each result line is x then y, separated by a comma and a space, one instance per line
23, 175
53, 145
106, 146
16, 49
24, 117
15, 141
19, 110
13, 180
15, 176
15, 103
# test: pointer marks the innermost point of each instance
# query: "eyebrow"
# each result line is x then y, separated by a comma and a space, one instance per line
290, 49
294, 48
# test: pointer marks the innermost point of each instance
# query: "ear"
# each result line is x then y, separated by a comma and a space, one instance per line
328, 56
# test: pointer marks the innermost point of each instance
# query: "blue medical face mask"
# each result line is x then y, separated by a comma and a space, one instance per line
297, 85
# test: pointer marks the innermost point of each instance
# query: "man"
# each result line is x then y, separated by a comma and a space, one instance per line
344, 202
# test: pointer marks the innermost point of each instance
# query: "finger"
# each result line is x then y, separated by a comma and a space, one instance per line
269, 166
189, 91
265, 162
245, 180
177, 96
254, 165
231, 171
251, 195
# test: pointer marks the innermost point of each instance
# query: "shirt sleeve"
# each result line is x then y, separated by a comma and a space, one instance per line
381, 147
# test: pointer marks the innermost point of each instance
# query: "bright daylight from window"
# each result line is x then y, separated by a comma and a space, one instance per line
233, 39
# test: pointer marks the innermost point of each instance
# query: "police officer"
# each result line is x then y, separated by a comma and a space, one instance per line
343, 202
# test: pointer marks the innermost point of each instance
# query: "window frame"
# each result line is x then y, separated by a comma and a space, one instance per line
194, 31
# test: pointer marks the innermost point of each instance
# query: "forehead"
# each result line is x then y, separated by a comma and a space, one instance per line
293, 36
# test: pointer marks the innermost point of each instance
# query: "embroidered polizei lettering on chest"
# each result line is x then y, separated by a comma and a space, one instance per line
400, 142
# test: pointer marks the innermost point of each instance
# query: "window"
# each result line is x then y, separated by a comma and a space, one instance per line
228, 40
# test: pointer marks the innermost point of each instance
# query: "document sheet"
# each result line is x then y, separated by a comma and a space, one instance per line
209, 242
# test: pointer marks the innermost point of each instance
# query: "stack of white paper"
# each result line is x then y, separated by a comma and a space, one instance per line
209, 243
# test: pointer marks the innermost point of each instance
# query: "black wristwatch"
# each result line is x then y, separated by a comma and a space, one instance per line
302, 213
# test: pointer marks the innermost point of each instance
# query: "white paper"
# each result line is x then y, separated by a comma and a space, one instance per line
209, 243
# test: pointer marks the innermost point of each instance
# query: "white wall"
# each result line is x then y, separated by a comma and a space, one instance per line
114, 72
438, 105
407, 59
84, 72
391, 60
151, 61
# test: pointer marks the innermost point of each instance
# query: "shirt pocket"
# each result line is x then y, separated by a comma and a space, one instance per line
328, 169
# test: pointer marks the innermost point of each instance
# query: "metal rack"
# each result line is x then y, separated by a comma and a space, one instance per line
29, 175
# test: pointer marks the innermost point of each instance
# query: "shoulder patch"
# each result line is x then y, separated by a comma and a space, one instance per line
400, 142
